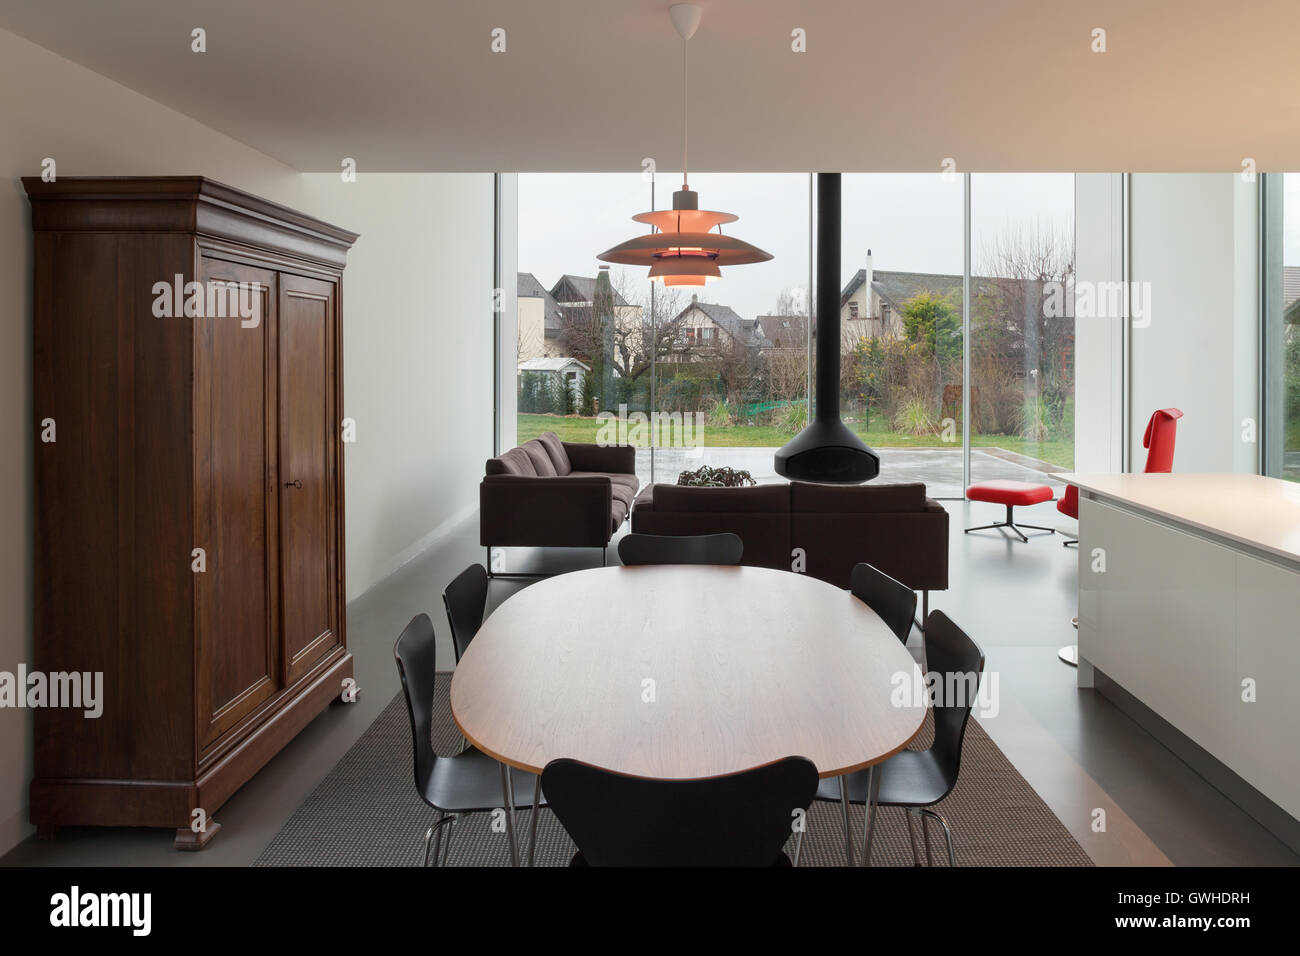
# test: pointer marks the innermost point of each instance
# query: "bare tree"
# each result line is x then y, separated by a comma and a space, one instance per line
791, 302
1012, 323
787, 373
738, 364
636, 338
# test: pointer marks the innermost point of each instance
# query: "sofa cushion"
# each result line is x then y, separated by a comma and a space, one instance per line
541, 460
811, 498
625, 495
512, 462
555, 449
770, 499
615, 478
618, 513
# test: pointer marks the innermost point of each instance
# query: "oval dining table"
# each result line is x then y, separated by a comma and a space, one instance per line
682, 672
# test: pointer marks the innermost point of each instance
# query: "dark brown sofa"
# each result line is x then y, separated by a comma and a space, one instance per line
894, 527
556, 494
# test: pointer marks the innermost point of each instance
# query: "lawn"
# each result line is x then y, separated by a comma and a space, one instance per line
577, 429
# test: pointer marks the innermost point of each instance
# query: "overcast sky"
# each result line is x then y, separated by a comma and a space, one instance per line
912, 222
1291, 220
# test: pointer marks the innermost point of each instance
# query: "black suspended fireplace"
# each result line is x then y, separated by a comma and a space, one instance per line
827, 450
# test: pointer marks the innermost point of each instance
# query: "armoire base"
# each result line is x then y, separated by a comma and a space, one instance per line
171, 804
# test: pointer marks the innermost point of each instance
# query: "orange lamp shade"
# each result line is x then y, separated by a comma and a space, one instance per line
682, 249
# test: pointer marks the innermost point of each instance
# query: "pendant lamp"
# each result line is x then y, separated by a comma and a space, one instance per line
681, 248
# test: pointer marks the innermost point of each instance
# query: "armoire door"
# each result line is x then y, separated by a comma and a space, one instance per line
309, 436
236, 614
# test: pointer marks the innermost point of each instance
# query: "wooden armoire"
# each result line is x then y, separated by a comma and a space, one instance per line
189, 492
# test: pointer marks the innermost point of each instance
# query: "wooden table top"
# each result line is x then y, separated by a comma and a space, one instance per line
680, 672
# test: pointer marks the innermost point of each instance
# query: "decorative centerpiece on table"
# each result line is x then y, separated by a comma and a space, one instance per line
706, 477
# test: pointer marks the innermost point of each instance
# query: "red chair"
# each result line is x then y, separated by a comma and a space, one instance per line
1158, 440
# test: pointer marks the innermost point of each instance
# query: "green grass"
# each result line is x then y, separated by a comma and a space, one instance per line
575, 429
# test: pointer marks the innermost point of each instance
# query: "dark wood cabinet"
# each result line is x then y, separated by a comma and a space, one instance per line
189, 509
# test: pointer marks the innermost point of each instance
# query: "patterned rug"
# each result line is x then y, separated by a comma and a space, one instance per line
367, 813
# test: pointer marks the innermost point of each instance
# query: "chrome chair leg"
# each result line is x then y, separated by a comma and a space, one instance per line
444, 847
869, 813
925, 829
844, 816
947, 834
532, 823
798, 841
437, 828
508, 794
908, 814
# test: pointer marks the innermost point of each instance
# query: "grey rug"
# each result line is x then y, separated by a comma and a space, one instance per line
366, 813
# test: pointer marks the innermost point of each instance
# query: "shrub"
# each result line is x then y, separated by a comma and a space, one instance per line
793, 418
1035, 419
561, 395
719, 415
913, 417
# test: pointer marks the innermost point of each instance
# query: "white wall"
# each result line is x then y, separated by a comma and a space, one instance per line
1098, 341
417, 327
417, 363
1194, 238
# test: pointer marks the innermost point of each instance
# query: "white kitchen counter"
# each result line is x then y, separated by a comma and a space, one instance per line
1189, 603
1251, 510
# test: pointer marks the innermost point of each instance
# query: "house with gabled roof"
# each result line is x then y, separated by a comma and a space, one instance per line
711, 325
784, 331
540, 319
871, 304
545, 313
571, 290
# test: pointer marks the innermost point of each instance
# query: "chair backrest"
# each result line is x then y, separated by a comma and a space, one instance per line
466, 599
1068, 503
724, 548
951, 653
415, 652
741, 819
1158, 440
894, 601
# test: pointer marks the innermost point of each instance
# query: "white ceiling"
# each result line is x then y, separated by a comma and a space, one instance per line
998, 85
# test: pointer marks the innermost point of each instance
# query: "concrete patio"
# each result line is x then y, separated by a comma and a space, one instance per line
939, 468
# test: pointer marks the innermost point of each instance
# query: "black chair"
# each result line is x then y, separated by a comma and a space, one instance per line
917, 780
741, 819
470, 782
465, 600
725, 548
894, 601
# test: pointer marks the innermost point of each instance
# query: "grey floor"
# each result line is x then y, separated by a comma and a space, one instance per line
1077, 750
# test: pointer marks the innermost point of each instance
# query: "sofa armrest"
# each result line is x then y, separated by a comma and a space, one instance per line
560, 512
611, 459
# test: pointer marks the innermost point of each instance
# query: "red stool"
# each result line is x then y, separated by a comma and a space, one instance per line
1010, 493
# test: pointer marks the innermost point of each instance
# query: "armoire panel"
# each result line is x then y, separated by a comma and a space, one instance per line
308, 434
235, 388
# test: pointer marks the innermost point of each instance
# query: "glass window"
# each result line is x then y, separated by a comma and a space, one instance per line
686, 374
718, 375
1022, 344
1281, 332
901, 341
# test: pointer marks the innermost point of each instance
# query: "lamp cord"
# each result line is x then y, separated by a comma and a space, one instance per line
685, 114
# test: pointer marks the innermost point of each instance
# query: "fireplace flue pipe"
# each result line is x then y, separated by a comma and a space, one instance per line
827, 450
